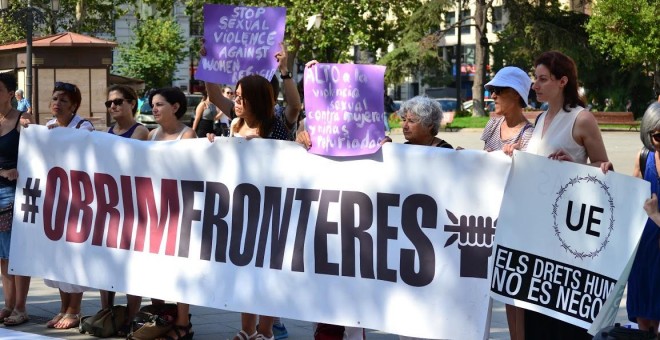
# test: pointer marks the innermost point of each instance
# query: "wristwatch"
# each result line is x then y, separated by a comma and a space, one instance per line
286, 75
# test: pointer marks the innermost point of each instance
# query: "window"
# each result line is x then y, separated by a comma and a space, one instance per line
498, 23
465, 27
450, 20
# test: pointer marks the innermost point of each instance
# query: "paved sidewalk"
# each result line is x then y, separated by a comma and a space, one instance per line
208, 323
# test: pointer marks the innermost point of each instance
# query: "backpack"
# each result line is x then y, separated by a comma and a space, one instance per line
105, 323
643, 156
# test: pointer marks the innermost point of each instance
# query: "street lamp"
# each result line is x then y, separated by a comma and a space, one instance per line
28, 16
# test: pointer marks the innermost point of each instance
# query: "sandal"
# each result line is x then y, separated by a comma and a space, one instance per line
185, 335
4, 313
242, 335
54, 320
17, 318
62, 325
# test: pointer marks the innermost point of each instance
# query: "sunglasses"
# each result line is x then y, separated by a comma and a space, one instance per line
656, 136
117, 102
61, 86
498, 90
229, 92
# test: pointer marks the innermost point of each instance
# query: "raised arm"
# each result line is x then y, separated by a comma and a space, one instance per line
291, 96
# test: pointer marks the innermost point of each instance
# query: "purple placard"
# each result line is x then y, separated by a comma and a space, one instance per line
240, 41
344, 108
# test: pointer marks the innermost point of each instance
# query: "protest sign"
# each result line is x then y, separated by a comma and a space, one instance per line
565, 235
240, 41
344, 107
253, 228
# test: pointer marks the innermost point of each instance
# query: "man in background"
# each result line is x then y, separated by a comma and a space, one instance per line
22, 104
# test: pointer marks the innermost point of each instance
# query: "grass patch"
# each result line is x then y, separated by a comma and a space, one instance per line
458, 123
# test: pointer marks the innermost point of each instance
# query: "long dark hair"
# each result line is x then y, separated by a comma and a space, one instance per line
257, 94
561, 65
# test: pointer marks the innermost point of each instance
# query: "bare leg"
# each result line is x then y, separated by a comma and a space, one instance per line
72, 310
646, 324
8, 288
265, 326
133, 305
22, 284
107, 298
248, 324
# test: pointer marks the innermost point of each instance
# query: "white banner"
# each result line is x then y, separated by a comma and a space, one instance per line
565, 235
398, 241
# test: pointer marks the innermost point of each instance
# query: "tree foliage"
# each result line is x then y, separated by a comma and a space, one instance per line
546, 26
153, 54
417, 50
628, 30
91, 17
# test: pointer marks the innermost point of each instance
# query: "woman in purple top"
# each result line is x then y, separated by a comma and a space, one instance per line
122, 106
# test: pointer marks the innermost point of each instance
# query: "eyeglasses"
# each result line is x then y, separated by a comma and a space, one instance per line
60, 86
117, 102
498, 90
238, 99
656, 136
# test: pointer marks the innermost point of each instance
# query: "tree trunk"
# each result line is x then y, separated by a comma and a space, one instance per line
480, 58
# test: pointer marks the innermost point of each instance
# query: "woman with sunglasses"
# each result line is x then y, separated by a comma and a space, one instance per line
168, 105
64, 103
122, 106
643, 300
567, 132
508, 127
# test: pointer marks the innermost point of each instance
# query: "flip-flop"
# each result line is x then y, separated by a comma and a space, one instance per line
69, 317
17, 318
54, 320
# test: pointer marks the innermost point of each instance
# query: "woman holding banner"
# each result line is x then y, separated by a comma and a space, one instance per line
567, 132
507, 130
122, 106
643, 301
15, 287
168, 105
254, 107
64, 103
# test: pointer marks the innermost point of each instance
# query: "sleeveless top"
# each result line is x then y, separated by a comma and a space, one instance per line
492, 135
76, 122
209, 112
559, 135
9, 152
153, 137
126, 134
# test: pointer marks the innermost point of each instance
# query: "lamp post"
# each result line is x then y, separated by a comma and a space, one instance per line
28, 16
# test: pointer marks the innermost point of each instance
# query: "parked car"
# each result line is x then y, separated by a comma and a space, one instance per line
146, 117
447, 104
489, 105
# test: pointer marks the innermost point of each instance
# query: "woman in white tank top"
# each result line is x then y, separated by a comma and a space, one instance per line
566, 131
168, 105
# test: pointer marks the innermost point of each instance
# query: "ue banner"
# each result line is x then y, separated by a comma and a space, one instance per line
344, 108
339, 244
240, 41
565, 252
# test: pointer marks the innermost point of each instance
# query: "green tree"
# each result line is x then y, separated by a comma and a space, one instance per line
628, 30
417, 50
152, 55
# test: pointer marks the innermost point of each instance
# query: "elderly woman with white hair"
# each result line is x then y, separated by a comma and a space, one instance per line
420, 120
